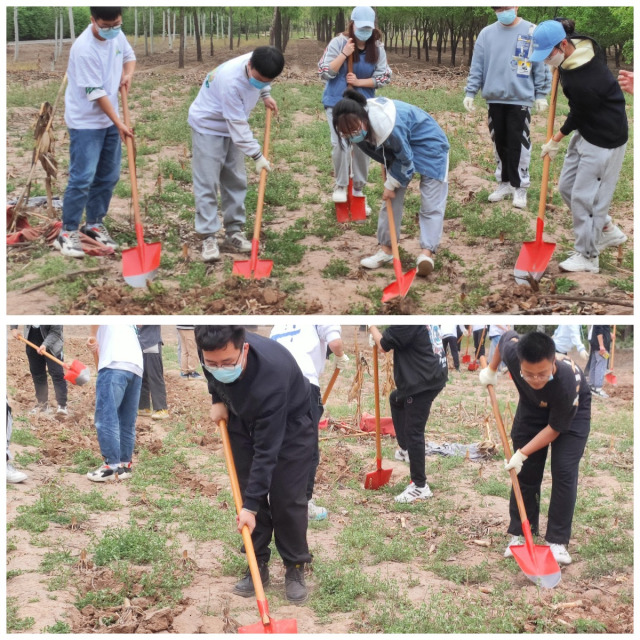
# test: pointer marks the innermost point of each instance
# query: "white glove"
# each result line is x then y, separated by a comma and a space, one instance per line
551, 148
488, 377
540, 105
372, 342
391, 183
262, 163
517, 459
341, 361
467, 103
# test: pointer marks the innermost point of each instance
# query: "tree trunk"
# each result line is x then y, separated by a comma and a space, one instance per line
151, 28
72, 31
15, 33
275, 37
286, 28
182, 39
144, 29
230, 29
135, 26
55, 39
164, 24
185, 32
340, 21
196, 27
211, 33
61, 18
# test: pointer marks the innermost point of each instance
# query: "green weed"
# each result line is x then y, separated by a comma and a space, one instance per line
337, 268
58, 627
14, 622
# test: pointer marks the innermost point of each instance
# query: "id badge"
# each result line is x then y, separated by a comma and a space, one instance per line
524, 68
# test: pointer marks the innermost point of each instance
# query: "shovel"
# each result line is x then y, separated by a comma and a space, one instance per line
267, 624
327, 391
380, 476
139, 264
466, 358
354, 208
611, 377
473, 366
535, 560
76, 372
254, 268
534, 256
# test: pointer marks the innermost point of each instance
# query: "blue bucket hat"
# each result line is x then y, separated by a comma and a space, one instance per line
546, 36
364, 17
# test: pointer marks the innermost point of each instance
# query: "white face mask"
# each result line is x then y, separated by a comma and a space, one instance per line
555, 60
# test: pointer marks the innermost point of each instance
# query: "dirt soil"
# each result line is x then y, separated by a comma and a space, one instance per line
106, 292
208, 605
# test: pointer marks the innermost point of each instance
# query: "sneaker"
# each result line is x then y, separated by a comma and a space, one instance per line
413, 493
402, 455
339, 194
99, 232
577, 262
144, 413
611, 237
13, 475
245, 588
161, 414
376, 260
62, 410
600, 392
68, 242
237, 242
195, 375
505, 190
103, 474
515, 540
125, 471
39, 408
560, 553
210, 251
520, 198
425, 265
315, 512
185, 375
294, 586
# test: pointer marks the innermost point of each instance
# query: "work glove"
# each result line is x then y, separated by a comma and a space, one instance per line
341, 361
372, 342
391, 183
551, 148
517, 459
488, 377
262, 163
467, 103
540, 105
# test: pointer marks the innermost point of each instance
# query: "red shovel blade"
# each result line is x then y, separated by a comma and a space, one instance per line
268, 624
534, 256
473, 366
466, 359
401, 285
77, 373
612, 378
377, 478
253, 268
342, 211
536, 561
139, 264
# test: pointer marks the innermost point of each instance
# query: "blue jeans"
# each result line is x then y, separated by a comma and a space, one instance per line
117, 396
94, 171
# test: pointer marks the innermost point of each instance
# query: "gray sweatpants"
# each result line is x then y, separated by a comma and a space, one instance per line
587, 183
597, 370
433, 201
217, 163
340, 155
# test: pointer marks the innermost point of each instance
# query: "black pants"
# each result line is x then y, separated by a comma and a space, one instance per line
566, 453
282, 514
509, 128
38, 366
451, 343
410, 415
316, 413
477, 336
153, 391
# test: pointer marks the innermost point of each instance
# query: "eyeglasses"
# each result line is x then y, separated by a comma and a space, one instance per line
228, 367
116, 27
538, 377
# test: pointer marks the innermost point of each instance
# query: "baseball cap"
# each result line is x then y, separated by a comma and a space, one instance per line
545, 37
364, 17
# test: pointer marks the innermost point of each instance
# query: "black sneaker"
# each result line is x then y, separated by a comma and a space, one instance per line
245, 588
68, 242
294, 585
99, 232
195, 375
103, 474
125, 472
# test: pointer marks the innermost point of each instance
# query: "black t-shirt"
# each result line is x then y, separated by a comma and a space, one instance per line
603, 330
419, 359
564, 403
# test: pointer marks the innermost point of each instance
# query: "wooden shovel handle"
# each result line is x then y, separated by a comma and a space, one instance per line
45, 353
131, 156
327, 391
392, 223
505, 445
481, 342
546, 163
262, 186
613, 347
376, 391
350, 68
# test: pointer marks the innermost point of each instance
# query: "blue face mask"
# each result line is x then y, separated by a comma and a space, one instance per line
359, 137
256, 83
227, 375
506, 17
109, 33
362, 34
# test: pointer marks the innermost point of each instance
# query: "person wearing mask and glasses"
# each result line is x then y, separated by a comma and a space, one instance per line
554, 411
598, 121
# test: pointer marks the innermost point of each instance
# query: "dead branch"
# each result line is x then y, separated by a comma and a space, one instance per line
63, 276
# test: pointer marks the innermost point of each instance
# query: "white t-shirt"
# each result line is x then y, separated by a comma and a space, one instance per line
308, 345
95, 70
224, 103
119, 348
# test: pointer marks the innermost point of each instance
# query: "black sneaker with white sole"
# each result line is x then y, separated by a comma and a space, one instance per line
104, 474
99, 232
68, 243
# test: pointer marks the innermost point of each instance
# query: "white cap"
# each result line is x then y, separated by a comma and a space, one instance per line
364, 17
382, 117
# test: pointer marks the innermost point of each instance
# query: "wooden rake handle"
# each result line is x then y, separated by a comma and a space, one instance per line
262, 186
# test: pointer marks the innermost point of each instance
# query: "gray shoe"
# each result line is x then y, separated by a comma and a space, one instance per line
68, 242
294, 585
210, 251
245, 588
99, 233
237, 242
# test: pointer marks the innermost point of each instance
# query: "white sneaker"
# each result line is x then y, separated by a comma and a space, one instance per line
577, 262
520, 198
62, 410
402, 455
315, 512
425, 265
237, 242
413, 493
376, 260
560, 553
600, 392
339, 194
515, 540
13, 475
39, 408
210, 251
505, 190
611, 237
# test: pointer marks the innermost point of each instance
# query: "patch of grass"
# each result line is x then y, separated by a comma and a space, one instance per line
480, 224
173, 170
492, 487
337, 268
136, 544
58, 627
587, 625
85, 460
24, 437
25, 458
607, 552
101, 599
283, 248
564, 285
14, 622
52, 560
13, 573
195, 278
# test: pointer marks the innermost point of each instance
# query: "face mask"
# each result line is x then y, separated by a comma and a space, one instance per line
506, 17
109, 33
555, 60
256, 83
359, 137
363, 34
226, 375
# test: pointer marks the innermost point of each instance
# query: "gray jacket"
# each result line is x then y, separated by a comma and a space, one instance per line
52, 334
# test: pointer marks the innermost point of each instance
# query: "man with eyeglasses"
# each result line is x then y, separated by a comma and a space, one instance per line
554, 409
101, 61
257, 386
